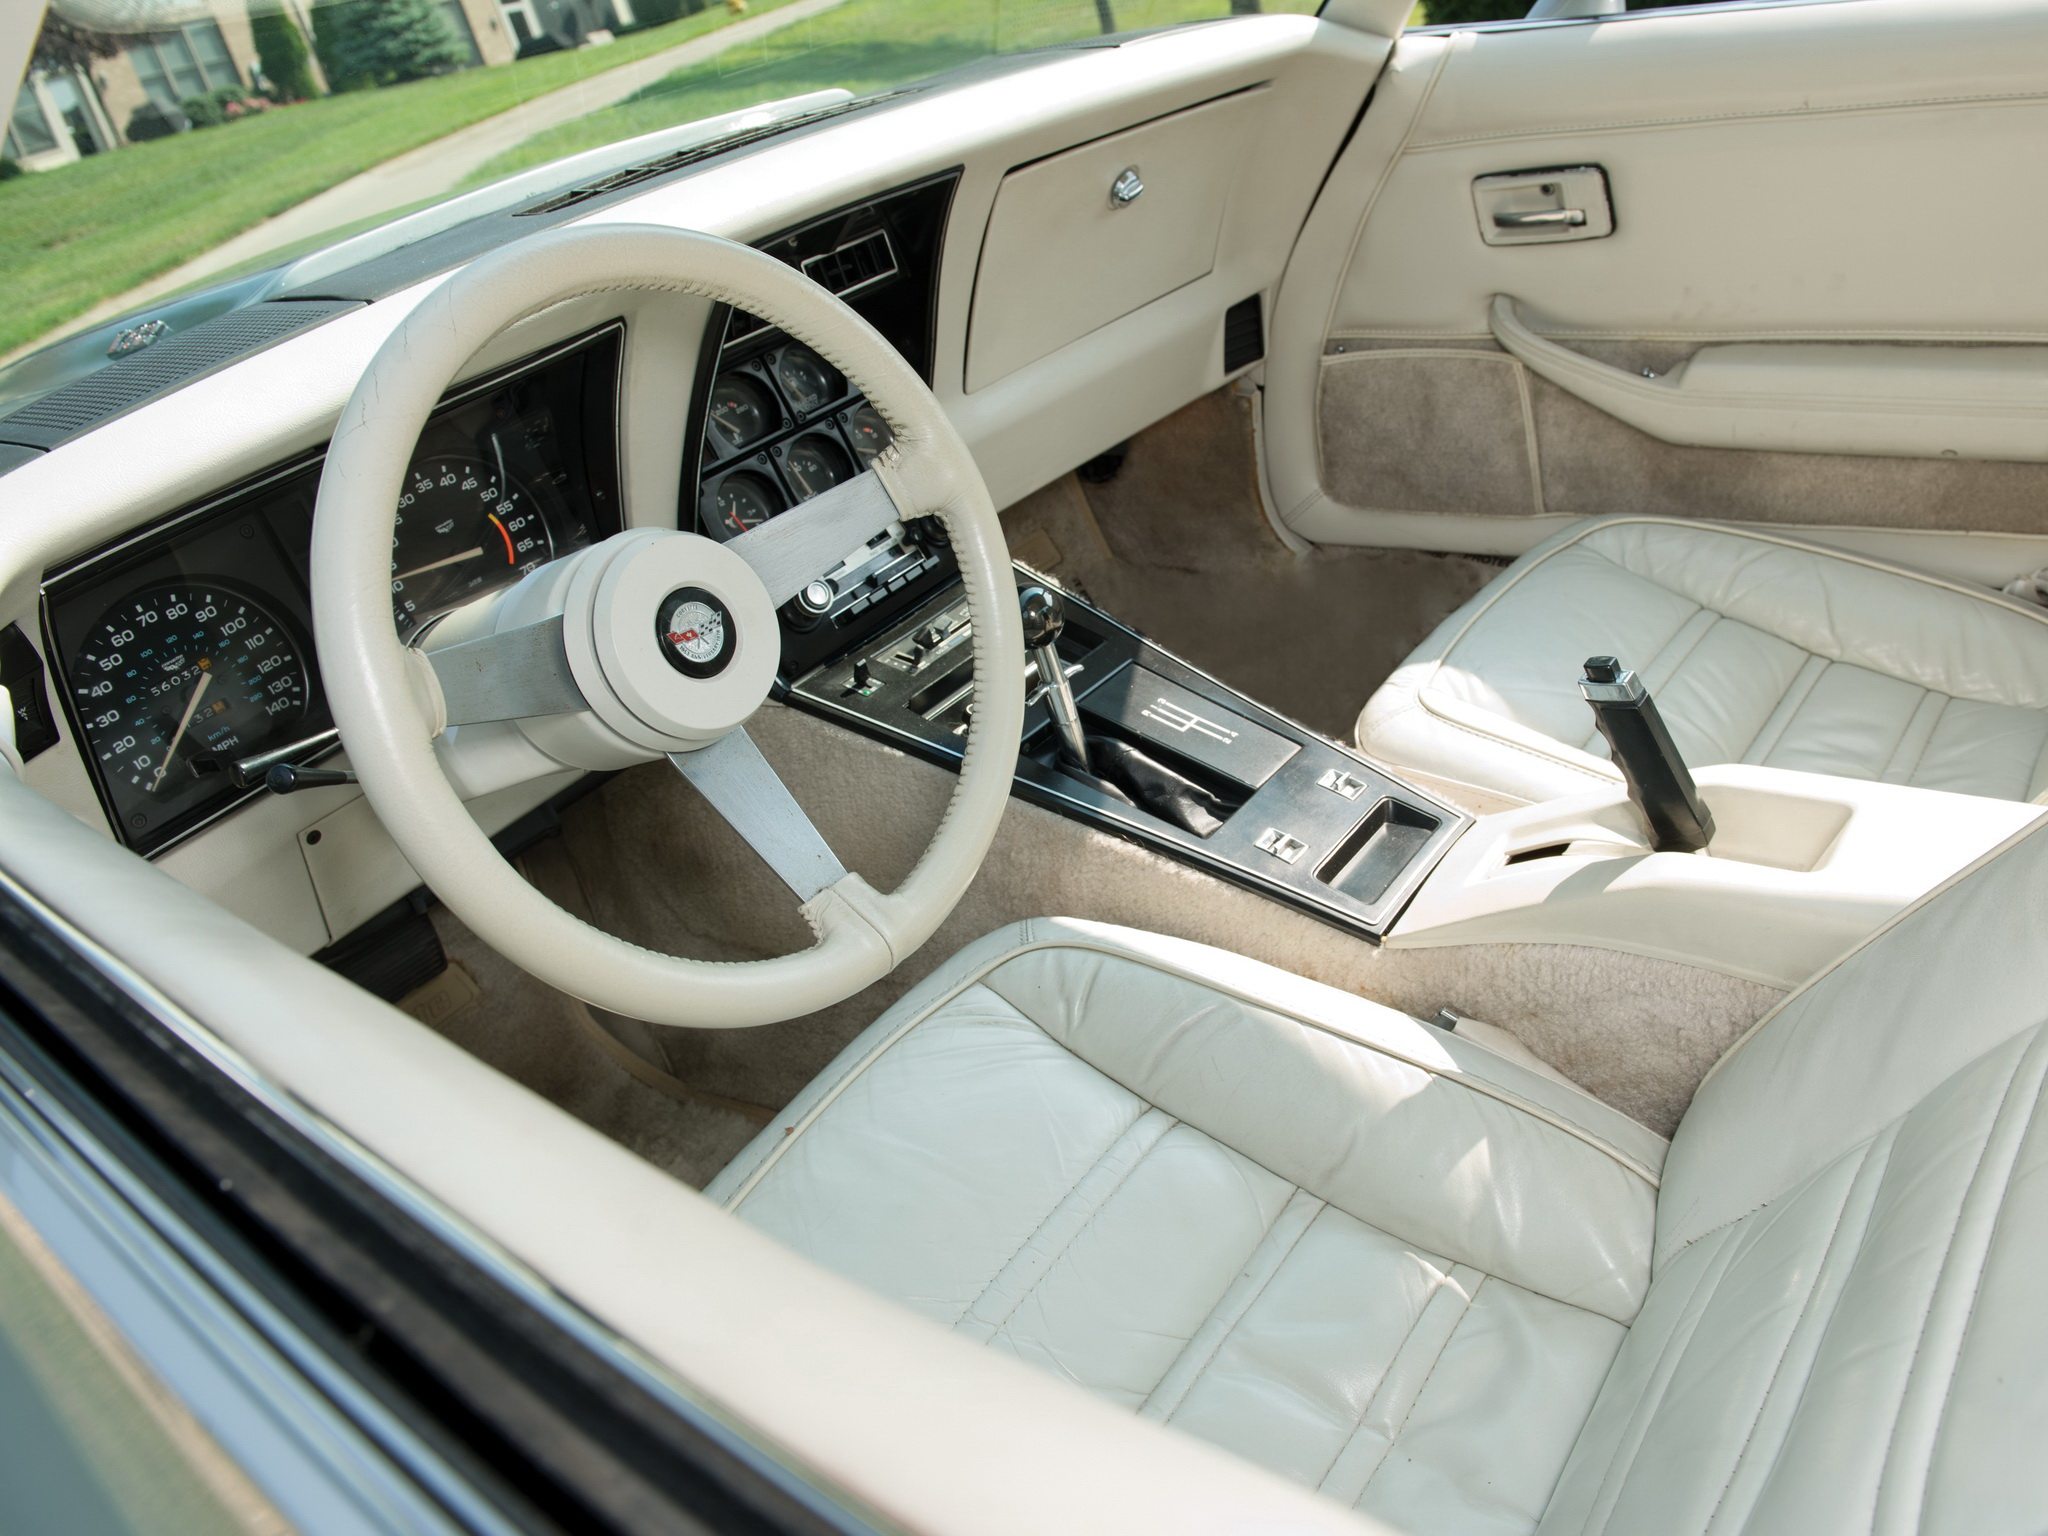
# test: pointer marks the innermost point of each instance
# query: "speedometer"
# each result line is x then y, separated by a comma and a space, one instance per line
176, 680
463, 529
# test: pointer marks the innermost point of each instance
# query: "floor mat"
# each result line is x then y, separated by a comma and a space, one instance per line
1177, 547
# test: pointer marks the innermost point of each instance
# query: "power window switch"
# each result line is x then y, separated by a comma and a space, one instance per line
1338, 782
1284, 846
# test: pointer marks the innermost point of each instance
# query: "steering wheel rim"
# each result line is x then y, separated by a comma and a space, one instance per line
390, 708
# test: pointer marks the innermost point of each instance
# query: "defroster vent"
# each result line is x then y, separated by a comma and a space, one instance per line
130, 381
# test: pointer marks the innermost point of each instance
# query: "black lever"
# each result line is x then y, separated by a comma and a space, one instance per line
288, 778
1658, 781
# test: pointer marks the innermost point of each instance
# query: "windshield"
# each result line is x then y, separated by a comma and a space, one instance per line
159, 148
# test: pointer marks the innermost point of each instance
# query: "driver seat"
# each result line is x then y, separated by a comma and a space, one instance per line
1454, 1292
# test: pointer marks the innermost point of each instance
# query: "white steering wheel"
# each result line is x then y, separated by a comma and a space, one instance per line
652, 643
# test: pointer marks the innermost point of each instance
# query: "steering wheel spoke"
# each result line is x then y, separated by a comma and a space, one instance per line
792, 550
744, 788
665, 640
515, 675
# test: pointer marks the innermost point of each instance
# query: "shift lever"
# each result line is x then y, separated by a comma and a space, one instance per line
1045, 616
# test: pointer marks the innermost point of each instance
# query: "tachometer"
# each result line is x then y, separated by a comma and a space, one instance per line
174, 681
462, 529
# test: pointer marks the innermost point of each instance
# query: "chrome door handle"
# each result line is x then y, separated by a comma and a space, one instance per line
1544, 218
1127, 188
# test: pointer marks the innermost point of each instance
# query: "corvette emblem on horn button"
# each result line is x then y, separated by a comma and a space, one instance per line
694, 631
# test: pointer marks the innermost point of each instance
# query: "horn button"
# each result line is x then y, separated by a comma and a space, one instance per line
671, 637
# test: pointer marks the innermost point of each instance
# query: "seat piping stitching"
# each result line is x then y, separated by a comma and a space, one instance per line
1658, 1385
1791, 1333
1108, 1195
1934, 1287
1393, 1358
1977, 1288
1464, 1313
1279, 1263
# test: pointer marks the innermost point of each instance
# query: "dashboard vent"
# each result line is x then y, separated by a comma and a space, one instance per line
1244, 334
860, 263
130, 381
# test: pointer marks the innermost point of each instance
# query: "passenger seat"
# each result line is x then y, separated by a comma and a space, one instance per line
1759, 649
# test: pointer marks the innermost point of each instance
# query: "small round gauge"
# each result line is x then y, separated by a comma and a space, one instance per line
741, 412
174, 678
870, 433
740, 502
462, 529
814, 464
806, 378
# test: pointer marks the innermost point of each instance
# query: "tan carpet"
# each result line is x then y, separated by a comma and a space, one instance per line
1177, 547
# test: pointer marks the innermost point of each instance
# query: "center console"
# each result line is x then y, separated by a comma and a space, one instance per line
1176, 759
1140, 743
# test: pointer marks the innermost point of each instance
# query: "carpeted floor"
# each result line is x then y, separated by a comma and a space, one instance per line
1177, 546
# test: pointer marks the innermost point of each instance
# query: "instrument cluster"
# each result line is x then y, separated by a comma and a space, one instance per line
185, 653
781, 426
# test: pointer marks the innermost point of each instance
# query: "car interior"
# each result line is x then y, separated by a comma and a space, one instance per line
977, 774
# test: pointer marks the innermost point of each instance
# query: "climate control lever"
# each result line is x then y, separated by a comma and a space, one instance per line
1045, 615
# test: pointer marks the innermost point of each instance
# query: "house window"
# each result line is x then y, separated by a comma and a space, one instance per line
28, 131
185, 61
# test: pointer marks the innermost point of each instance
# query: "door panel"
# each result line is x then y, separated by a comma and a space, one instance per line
1825, 185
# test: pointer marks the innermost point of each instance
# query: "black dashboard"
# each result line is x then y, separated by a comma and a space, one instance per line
188, 649
183, 655
774, 424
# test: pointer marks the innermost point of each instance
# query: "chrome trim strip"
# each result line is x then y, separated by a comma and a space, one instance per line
321, 1448
733, 1436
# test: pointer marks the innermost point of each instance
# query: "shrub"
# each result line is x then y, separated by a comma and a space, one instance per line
10, 168
154, 122
383, 42
281, 48
203, 111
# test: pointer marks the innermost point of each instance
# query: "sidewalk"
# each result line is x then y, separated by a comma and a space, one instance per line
433, 170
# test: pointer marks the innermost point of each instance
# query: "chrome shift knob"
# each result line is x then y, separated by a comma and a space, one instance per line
1044, 615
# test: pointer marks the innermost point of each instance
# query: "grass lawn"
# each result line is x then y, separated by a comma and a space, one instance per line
72, 237
865, 45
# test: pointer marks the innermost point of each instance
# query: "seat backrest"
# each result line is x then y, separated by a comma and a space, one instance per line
1846, 1328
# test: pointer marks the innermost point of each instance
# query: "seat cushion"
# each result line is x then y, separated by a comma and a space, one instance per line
1759, 649
1372, 1256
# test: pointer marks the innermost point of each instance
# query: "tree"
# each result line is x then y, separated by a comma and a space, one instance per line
383, 42
65, 45
282, 49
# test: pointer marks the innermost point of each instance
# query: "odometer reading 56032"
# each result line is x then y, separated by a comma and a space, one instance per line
174, 682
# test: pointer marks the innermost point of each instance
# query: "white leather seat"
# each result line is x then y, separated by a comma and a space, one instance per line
1453, 1292
1759, 649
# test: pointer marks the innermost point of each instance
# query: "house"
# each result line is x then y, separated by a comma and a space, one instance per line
60, 115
